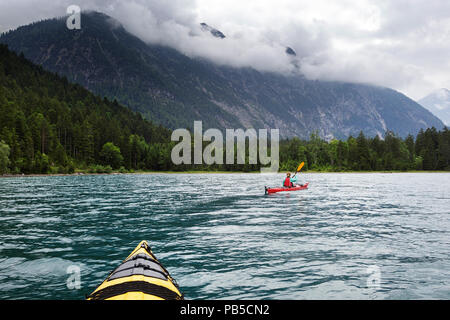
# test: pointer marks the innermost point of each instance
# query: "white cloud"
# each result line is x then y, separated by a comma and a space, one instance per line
394, 43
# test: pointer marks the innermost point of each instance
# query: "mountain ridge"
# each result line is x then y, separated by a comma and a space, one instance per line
173, 89
438, 102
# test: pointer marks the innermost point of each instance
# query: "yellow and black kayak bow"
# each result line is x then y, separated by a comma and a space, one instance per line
140, 277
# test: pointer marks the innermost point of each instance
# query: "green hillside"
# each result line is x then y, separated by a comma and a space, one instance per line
50, 125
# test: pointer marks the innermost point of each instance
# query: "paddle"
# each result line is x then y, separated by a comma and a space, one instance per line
299, 168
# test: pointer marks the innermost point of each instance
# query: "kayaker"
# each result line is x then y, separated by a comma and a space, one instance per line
289, 182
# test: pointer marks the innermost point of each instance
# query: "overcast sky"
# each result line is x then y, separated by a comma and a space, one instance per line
402, 44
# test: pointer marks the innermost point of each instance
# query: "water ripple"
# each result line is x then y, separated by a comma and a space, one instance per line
222, 238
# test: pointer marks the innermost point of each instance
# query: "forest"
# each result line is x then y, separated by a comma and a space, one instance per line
429, 151
48, 125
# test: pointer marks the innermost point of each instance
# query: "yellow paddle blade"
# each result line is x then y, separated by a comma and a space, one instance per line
300, 166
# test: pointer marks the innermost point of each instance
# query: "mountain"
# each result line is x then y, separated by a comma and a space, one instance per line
290, 51
173, 89
48, 122
216, 33
438, 103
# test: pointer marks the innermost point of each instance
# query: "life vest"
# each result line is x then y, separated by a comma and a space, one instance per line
287, 182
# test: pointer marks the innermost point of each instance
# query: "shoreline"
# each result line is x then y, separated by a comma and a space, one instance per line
80, 174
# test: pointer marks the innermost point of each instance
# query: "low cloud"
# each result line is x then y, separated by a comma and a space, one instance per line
388, 43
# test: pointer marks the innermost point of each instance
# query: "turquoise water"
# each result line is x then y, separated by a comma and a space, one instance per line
350, 236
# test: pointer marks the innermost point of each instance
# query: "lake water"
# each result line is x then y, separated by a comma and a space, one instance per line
350, 236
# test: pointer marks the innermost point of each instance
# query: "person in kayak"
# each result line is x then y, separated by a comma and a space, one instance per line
289, 182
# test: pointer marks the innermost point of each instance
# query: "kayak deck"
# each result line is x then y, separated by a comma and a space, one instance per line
276, 190
140, 277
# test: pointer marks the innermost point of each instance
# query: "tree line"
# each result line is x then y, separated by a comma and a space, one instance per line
429, 151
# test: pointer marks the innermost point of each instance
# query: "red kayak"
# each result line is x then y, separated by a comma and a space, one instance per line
275, 190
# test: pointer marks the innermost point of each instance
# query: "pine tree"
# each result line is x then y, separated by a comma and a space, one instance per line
363, 152
4, 157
